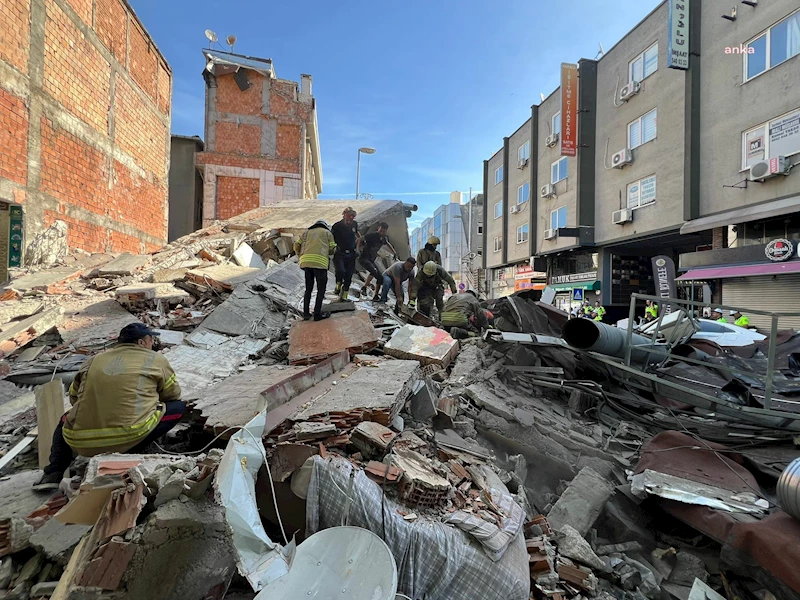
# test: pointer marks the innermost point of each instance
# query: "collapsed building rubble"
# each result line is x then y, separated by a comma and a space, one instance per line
545, 459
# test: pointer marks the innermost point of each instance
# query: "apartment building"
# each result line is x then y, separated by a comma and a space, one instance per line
447, 223
694, 164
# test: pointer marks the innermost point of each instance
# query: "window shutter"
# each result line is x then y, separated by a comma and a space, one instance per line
649, 126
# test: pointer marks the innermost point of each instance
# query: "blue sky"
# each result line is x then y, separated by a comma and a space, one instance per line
432, 85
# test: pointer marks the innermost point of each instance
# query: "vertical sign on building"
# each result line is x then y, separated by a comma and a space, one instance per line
569, 109
15, 237
664, 276
678, 46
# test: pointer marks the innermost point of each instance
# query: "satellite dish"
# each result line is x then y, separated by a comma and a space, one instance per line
231, 41
340, 562
211, 36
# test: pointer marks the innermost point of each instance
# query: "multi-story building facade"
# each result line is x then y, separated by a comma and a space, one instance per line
261, 137
675, 162
447, 223
85, 99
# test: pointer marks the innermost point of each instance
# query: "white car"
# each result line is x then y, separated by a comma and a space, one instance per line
726, 334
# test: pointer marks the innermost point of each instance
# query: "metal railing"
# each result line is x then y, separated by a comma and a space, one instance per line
686, 308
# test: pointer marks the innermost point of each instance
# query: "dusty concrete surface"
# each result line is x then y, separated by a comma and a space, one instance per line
17, 501
582, 501
428, 345
313, 341
57, 540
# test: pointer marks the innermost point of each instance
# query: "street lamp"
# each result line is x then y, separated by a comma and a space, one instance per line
358, 168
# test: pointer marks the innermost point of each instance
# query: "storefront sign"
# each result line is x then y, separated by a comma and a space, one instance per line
664, 275
529, 273
574, 278
779, 250
528, 285
678, 38
569, 109
784, 135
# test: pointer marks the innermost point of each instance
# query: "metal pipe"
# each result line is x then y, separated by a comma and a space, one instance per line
771, 362
788, 489
586, 334
629, 343
411, 207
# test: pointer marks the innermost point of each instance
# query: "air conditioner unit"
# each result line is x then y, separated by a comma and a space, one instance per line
627, 91
551, 140
621, 158
767, 169
514, 209
620, 217
548, 191
523, 162
550, 234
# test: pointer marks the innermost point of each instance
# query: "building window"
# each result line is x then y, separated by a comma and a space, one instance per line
642, 192
524, 152
778, 137
480, 229
437, 225
556, 123
522, 234
644, 65
643, 129
558, 218
497, 244
498, 175
498, 210
776, 45
523, 193
558, 170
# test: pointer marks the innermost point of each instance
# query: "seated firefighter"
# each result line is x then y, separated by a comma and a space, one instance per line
463, 316
122, 400
428, 286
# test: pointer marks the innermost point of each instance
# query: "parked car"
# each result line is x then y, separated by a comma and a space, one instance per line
726, 334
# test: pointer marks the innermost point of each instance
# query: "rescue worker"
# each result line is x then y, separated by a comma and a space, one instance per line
122, 400
368, 246
718, 316
314, 248
463, 315
345, 234
599, 311
429, 252
740, 319
428, 285
651, 309
393, 279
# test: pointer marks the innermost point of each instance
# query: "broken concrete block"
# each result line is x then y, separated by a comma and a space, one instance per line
6, 572
171, 488
57, 540
312, 431
582, 502
314, 341
526, 418
222, 277
579, 402
17, 501
124, 264
521, 356
372, 439
428, 345
424, 400
168, 337
46, 588
168, 275
140, 292
572, 545
688, 567
244, 256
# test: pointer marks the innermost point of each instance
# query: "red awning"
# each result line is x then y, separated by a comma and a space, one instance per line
741, 271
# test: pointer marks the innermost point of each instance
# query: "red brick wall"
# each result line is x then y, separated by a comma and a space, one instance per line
238, 139
13, 138
247, 162
106, 175
230, 99
289, 141
236, 195
15, 18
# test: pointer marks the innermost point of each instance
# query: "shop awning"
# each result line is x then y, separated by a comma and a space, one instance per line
741, 271
767, 210
592, 286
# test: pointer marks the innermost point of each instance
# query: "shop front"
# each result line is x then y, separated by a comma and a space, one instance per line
758, 276
574, 278
526, 278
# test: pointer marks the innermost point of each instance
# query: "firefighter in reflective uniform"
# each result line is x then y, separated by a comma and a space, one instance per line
428, 285
429, 252
122, 400
463, 315
740, 319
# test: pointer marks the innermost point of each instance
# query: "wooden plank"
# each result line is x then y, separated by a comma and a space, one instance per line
18, 449
49, 409
65, 583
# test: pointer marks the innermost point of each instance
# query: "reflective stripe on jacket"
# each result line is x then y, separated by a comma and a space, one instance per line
459, 308
314, 248
118, 399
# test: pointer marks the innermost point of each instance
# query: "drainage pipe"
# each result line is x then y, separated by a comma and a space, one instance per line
593, 336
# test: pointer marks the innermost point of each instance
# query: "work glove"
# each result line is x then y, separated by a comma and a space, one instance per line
412, 303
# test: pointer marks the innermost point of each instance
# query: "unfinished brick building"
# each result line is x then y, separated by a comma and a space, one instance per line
84, 124
261, 138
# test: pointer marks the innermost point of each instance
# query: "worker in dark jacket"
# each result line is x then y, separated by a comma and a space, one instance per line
429, 252
345, 234
122, 400
314, 248
464, 315
428, 286
369, 246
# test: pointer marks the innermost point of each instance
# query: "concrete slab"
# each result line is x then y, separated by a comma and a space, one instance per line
17, 501
57, 540
424, 400
246, 257
237, 399
124, 264
140, 292
44, 280
222, 277
15, 309
313, 341
376, 384
168, 337
428, 345
582, 502
22, 332
197, 368
93, 321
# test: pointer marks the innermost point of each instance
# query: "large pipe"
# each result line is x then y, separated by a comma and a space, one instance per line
586, 334
411, 207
